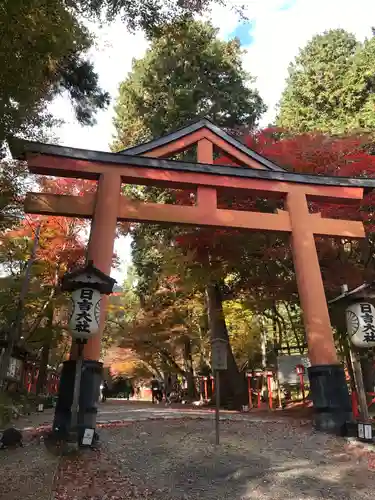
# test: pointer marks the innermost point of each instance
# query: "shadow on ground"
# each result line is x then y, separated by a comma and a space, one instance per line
178, 460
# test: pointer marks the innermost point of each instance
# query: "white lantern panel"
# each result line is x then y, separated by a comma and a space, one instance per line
360, 321
85, 313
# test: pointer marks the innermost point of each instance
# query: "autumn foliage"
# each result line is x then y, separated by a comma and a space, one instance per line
61, 245
342, 261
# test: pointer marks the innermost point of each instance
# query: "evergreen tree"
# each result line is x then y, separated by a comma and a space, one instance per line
187, 73
330, 86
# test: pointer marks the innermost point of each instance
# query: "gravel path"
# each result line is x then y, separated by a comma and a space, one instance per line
177, 460
27, 473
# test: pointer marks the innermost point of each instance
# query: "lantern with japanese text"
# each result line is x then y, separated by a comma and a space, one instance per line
87, 286
360, 320
85, 313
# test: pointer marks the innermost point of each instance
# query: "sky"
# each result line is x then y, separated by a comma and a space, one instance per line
271, 37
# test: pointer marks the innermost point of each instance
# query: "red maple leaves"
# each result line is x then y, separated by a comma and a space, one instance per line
316, 154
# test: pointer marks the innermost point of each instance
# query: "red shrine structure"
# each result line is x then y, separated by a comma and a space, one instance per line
149, 164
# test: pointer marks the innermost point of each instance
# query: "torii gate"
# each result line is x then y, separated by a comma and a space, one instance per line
147, 164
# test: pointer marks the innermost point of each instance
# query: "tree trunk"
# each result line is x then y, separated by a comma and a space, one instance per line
263, 349
43, 367
232, 384
274, 325
263, 345
291, 321
191, 389
203, 335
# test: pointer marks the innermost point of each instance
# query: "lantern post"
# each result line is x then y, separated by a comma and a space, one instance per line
87, 286
360, 319
219, 363
360, 327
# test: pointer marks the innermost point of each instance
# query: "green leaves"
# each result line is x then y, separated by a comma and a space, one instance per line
148, 15
186, 74
12, 189
330, 86
43, 54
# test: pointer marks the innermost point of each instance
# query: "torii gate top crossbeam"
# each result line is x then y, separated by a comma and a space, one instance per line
63, 161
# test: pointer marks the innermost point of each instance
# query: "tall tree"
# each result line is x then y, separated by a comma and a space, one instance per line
46, 41
331, 86
43, 54
187, 73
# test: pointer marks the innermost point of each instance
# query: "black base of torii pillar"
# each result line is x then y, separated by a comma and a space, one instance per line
89, 396
331, 400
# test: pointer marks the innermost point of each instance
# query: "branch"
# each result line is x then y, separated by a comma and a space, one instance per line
293, 327
47, 303
163, 352
40, 316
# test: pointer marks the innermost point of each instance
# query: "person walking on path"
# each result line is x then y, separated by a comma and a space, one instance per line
168, 389
128, 389
104, 391
155, 390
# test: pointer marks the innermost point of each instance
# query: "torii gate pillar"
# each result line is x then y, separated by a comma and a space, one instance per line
328, 386
319, 334
101, 242
100, 251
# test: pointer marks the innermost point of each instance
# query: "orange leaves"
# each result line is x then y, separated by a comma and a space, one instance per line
60, 241
268, 259
62, 244
62, 185
121, 361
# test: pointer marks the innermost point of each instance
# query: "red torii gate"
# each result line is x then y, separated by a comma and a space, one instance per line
147, 164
